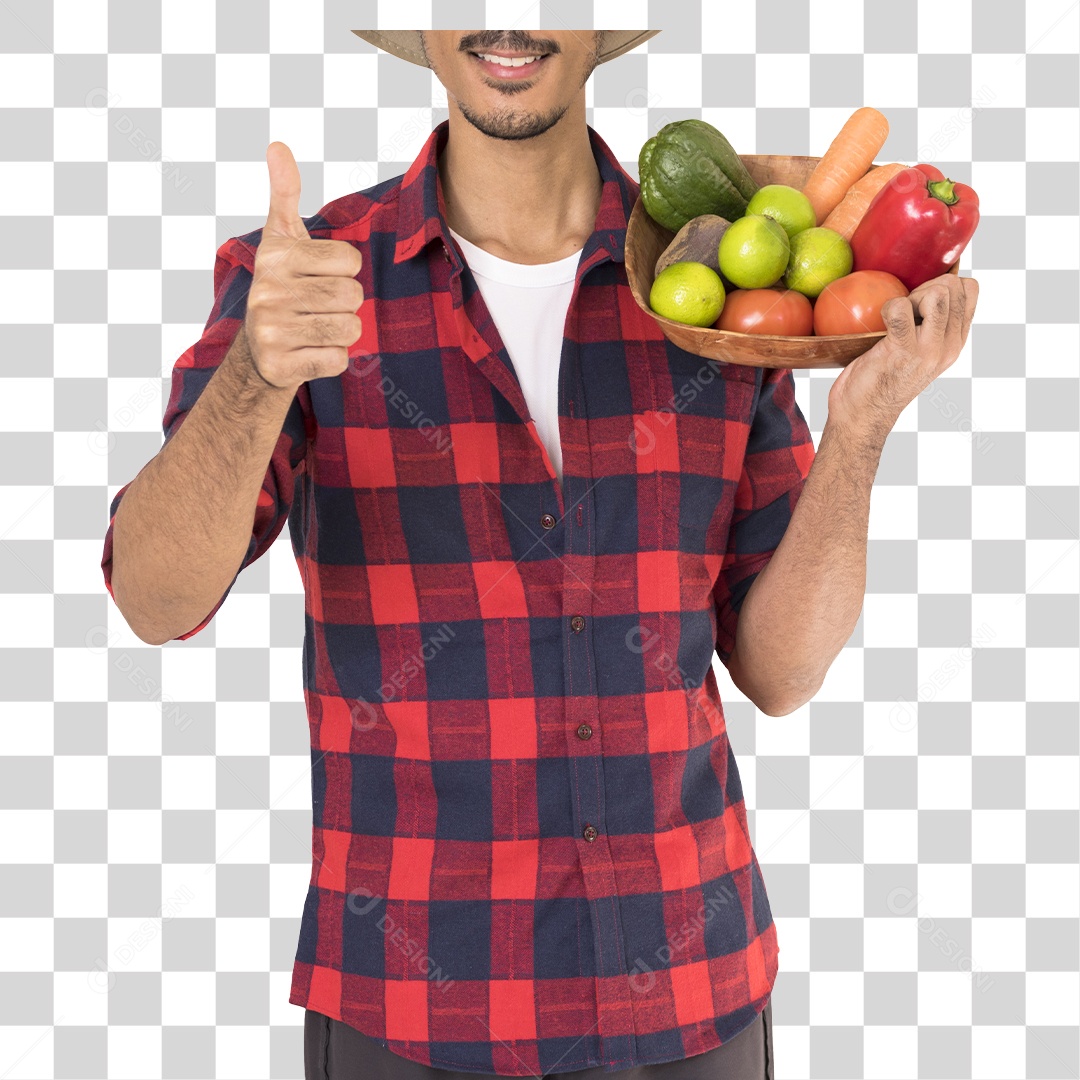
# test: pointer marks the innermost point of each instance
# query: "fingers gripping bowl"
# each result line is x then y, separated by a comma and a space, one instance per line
646, 240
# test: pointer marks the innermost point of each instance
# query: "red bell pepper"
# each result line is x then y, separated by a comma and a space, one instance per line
916, 226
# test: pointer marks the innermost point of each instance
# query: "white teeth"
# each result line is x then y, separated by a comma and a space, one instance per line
507, 61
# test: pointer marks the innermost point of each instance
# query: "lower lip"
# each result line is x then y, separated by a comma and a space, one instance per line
500, 71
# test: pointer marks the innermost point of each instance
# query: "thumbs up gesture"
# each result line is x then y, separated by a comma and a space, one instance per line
304, 297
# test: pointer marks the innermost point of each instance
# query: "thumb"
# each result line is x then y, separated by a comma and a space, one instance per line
284, 216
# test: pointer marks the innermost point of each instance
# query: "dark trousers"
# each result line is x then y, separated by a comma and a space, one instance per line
335, 1051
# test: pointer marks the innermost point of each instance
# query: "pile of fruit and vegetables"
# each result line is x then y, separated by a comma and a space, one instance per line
774, 259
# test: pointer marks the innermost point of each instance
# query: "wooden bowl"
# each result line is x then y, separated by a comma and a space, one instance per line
645, 242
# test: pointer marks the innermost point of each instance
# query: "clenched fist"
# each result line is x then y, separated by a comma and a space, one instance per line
304, 297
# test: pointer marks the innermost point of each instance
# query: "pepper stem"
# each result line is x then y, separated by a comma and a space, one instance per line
943, 190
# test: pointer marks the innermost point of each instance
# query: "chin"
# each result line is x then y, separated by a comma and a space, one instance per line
515, 116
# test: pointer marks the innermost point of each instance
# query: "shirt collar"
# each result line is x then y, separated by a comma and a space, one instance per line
421, 208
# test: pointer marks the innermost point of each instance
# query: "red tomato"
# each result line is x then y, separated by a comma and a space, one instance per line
852, 304
767, 311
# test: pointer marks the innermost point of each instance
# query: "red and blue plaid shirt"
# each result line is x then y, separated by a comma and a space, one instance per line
530, 848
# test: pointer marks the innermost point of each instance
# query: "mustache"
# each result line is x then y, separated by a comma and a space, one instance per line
510, 40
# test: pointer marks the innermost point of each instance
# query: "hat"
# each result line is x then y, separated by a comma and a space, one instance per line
406, 43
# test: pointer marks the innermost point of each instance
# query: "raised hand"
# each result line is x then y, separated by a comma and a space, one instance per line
302, 306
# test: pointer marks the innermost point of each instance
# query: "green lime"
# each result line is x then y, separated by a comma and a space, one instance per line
688, 292
754, 251
785, 204
818, 256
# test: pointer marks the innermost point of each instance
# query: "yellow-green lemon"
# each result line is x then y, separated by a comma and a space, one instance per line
818, 256
754, 252
785, 204
688, 292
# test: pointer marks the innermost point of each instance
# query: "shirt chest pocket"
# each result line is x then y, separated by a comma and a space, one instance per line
692, 440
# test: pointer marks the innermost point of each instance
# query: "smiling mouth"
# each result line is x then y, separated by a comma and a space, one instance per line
513, 62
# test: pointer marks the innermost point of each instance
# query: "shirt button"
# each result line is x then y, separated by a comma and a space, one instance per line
445, 252
577, 623
584, 731
548, 521
590, 833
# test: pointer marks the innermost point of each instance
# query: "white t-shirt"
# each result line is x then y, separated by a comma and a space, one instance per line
528, 305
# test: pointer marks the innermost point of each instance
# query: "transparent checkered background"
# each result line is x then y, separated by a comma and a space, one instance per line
917, 823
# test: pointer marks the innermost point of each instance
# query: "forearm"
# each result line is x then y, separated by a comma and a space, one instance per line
184, 525
803, 606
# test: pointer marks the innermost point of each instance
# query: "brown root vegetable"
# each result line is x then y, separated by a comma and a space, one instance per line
697, 241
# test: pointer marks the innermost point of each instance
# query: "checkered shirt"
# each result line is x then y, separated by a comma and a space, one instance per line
530, 850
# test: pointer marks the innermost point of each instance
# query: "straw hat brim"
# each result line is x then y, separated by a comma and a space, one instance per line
406, 43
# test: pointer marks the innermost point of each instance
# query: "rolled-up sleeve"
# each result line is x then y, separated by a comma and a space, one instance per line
233, 269
779, 453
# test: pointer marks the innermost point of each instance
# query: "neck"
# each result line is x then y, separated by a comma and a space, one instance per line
526, 200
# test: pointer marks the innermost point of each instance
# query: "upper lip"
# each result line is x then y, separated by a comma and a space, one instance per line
508, 55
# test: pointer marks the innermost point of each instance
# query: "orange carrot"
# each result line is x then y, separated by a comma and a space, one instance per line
849, 211
850, 154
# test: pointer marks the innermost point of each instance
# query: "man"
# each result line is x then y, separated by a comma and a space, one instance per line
525, 522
